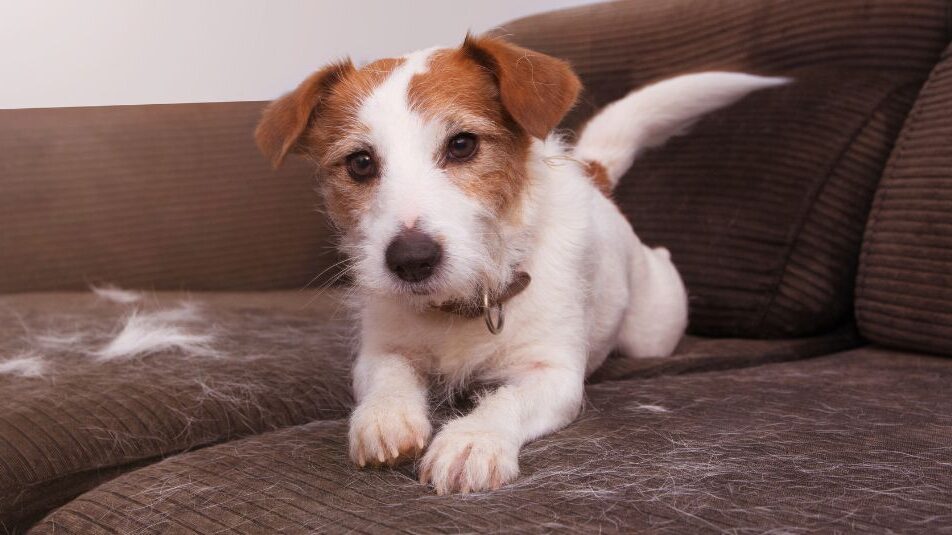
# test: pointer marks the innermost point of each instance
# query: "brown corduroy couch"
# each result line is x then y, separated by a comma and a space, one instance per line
812, 224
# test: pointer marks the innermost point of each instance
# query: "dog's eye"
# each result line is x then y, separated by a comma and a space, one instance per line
462, 146
361, 166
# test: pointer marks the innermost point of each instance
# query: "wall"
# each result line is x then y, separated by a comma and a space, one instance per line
100, 52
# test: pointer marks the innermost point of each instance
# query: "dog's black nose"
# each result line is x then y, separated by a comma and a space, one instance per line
413, 255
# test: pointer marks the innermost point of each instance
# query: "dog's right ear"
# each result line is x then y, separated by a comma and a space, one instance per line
285, 121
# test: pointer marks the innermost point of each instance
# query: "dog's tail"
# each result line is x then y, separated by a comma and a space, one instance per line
649, 116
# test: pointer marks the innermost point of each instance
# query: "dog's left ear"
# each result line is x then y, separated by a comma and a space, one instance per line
537, 90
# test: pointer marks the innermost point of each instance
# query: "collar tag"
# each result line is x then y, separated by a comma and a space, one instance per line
494, 326
490, 309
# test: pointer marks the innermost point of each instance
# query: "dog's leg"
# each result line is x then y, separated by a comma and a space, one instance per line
480, 451
658, 313
391, 422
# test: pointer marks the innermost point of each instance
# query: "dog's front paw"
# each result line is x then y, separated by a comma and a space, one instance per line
387, 432
469, 460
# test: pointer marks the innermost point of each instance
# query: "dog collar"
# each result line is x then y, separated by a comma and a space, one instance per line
490, 308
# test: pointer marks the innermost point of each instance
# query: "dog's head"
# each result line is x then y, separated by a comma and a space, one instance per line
422, 160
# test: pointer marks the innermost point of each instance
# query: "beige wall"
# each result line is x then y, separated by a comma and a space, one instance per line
100, 52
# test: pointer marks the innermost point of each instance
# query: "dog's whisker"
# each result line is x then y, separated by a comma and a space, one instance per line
329, 268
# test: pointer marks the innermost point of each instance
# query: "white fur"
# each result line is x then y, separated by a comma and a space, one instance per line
145, 333
415, 191
594, 286
116, 294
59, 341
650, 116
23, 366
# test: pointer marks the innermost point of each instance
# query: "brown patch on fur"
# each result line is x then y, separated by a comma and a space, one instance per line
599, 176
345, 198
314, 118
460, 93
284, 121
538, 365
502, 93
537, 90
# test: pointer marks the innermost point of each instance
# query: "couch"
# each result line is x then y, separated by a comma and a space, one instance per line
812, 225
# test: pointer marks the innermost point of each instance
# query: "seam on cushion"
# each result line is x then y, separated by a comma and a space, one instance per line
948, 25
124, 468
137, 464
851, 141
178, 451
844, 338
913, 123
714, 367
35, 518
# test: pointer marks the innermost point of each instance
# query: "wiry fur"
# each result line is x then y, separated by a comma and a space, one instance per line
116, 294
650, 116
176, 327
145, 333
26, 365
594, 286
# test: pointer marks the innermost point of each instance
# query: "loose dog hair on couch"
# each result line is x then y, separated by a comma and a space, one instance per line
141, 329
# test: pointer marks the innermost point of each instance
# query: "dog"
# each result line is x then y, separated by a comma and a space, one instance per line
483, 248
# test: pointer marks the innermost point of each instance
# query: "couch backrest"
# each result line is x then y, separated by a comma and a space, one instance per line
164, 197
904, 285
763, 205
616, 46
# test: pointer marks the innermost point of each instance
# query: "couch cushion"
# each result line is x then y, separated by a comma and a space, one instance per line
71, 421
856, 441
763, 205
904, 286
276, 359
162, 197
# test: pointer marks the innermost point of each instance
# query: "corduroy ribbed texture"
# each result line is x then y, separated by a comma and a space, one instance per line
768, 449
904, 286
156, 197
824, 445
617, 46
762, 205
698, 354
284, 360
